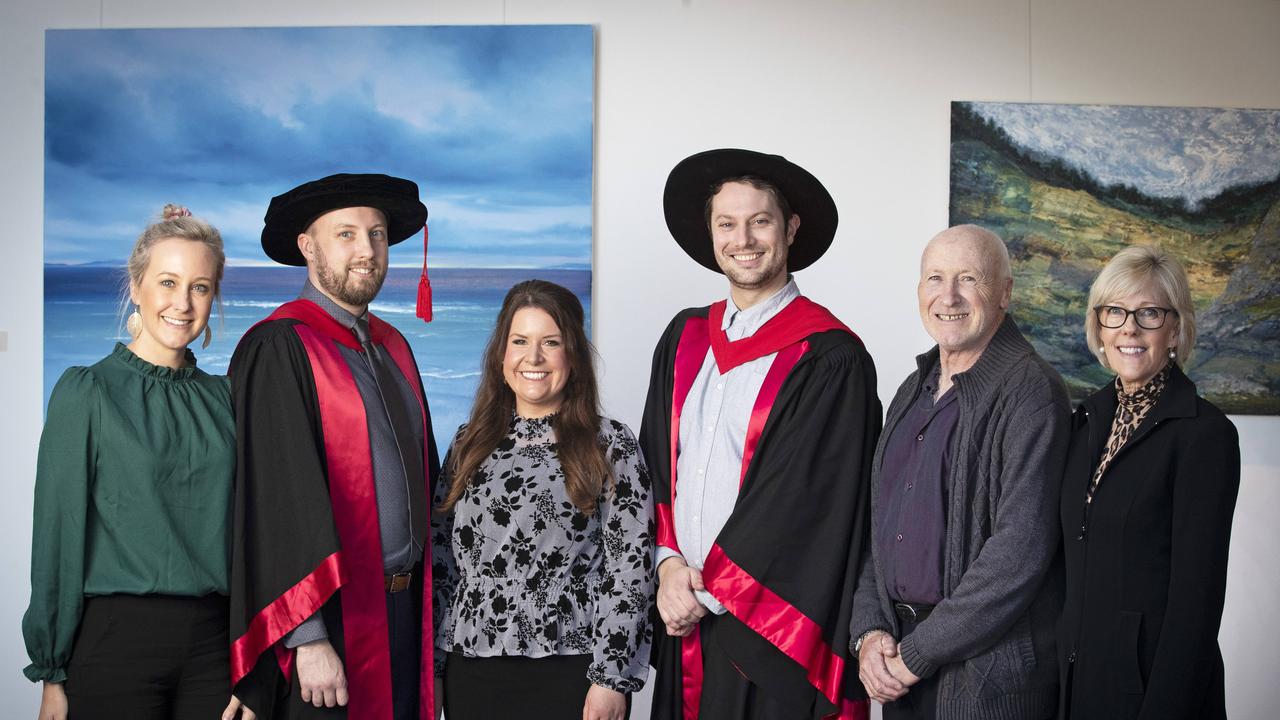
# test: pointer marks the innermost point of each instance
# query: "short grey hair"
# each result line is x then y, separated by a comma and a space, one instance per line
1131, 270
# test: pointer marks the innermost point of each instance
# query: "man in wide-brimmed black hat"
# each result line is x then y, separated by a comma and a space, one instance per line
759, 427
331, 592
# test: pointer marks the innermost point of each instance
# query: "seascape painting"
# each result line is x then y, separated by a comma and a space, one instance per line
1067, 186
494, 123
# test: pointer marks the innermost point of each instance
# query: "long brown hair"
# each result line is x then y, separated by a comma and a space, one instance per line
576, 423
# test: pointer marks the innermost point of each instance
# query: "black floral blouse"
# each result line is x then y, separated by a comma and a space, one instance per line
518, 570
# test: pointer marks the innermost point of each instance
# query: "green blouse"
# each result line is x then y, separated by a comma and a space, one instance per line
133, 495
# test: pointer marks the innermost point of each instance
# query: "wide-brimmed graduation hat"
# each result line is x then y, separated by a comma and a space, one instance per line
689, 185
292, 213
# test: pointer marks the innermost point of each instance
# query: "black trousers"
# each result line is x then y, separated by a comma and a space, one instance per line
727, 693
150, 657
404, 631
546, 688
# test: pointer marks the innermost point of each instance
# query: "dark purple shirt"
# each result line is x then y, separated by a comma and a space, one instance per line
913, 497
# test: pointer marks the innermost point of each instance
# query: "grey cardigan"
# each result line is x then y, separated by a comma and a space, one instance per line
991, 639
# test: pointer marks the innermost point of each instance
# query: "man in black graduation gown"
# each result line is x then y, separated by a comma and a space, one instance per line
759, 428
335, 459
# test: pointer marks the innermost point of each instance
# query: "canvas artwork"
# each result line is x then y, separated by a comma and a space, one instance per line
1067, 186
493, 123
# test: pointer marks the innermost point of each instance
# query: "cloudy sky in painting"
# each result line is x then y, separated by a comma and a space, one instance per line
493, 123
1167, 152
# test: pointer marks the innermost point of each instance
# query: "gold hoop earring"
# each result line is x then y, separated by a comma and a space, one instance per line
208, 337
134, 323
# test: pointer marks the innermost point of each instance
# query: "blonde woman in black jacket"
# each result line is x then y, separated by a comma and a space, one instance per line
1147, 501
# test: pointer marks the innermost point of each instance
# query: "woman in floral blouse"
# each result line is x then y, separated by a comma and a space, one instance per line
542, 536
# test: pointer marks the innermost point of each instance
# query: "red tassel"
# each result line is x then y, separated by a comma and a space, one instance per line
424, 284
424, 298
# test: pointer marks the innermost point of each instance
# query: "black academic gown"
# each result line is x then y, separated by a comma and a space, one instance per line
286, 552
799, 528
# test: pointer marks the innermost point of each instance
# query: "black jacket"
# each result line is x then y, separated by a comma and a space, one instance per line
1147, 564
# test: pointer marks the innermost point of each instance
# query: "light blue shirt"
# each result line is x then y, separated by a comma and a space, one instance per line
713, 433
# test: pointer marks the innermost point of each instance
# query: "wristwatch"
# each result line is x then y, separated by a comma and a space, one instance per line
857, 645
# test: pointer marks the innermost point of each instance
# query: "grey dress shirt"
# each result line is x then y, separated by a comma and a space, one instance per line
400, 550
713, 433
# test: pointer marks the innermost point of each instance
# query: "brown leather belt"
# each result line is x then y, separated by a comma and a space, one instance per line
398, 582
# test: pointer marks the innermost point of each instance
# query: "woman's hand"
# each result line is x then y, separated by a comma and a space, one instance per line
604, 704
53, 702
234, 707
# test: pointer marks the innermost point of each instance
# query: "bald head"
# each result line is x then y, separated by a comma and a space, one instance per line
986, 244
964, 291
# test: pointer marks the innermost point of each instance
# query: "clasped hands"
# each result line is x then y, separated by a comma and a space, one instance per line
880, 667
678, 607
881, 670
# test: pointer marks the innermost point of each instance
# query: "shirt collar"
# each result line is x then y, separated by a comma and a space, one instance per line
744, 323
334, 310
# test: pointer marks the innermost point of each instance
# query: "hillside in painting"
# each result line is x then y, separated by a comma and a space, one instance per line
1061, 226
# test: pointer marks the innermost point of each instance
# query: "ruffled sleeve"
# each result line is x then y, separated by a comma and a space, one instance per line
64, 474
625, 598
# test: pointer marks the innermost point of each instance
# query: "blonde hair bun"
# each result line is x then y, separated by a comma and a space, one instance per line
171, 212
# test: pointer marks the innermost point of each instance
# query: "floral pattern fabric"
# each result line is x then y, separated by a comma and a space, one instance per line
519, 570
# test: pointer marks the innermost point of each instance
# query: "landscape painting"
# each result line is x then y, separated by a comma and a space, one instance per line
1067, 186
493, 123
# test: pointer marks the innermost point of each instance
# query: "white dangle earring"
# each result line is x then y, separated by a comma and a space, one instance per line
134, 323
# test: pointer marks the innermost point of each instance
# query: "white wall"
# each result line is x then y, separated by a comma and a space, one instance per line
856, 91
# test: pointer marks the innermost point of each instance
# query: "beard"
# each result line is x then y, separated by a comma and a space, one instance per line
756, 278
346, 287
753, 279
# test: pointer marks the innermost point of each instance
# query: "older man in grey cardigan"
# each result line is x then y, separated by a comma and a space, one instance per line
956, 609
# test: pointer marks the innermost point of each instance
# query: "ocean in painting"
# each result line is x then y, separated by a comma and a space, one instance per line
83, 319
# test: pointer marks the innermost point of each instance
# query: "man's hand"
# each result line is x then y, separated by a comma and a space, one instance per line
901, 672
878, 649
677, 605
320, 676
53, 702
236, 709
604, 704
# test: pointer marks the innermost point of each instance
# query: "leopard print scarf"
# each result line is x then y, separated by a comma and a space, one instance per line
1130, 410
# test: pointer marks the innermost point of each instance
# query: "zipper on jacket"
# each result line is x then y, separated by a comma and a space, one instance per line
1084, 514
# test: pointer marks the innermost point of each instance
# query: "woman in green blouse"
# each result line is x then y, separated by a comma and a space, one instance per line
128, 614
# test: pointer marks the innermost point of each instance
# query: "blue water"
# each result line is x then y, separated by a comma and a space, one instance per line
82, 321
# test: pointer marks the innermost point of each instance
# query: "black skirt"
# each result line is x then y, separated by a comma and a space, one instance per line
550, 688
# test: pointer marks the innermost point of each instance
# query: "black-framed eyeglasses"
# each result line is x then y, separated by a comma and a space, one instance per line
1148, 318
